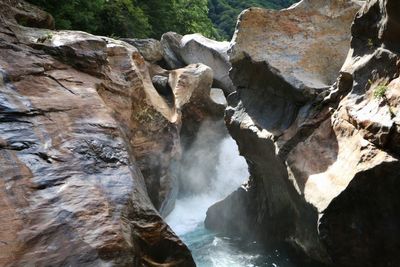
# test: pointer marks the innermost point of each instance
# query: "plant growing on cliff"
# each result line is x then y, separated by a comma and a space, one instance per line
370, 43
380, 91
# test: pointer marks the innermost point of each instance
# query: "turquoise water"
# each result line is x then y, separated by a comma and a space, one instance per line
211, 250
187, 218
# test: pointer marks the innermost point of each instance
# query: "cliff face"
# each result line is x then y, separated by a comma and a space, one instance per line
323, 159
88, 131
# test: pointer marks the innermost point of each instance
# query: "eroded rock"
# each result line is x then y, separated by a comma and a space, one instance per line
72, 190
323, 163
195, 48
299, 52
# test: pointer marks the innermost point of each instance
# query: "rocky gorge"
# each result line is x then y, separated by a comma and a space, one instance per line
100, 136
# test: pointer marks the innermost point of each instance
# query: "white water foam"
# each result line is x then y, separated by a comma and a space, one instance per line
210, 249
231, 172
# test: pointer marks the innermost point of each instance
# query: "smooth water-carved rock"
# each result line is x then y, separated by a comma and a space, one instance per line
195, 48
298, 51
323, 163
72, 191
151, 117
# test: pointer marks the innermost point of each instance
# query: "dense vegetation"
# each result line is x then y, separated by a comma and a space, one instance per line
131, 18
223, 13
151, 18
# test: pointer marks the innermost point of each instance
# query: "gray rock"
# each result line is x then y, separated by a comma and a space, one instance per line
150, 49
171, 44
195, 48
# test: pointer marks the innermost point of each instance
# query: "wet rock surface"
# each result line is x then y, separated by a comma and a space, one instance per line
323, 161
81, 131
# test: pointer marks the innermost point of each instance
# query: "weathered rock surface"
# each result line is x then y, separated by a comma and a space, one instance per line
71, 105
299, 52
195, 48
171, 43
150, 49
324, 164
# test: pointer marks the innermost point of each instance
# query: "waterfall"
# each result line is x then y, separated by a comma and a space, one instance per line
230, 173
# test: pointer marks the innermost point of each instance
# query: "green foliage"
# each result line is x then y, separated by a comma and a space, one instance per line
131, 18
73, 14
380, 91
151, 18
224, 13
370, 43
192, 17
123, 18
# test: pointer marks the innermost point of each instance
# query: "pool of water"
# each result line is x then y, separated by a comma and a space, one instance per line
211, 250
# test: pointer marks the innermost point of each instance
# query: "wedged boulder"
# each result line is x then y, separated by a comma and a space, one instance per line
72, 192
150, 49
323, 162
171, 43
195, 48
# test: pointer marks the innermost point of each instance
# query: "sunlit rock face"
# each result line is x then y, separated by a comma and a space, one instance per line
281, 59
71, 153
324, 162
150, 113
194, 48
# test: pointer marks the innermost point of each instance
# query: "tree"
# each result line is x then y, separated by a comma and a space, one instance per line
123, 18
224, 13
73, 14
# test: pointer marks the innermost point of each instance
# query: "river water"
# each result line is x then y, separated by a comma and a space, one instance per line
211, 249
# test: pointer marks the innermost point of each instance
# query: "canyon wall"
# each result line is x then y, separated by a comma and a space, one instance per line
92, 130
89, 129
321, 138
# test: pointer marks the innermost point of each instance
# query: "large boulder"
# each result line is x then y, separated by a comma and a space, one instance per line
171, 44
324, 162
72, 191
150, 49
195, 48
298, 51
